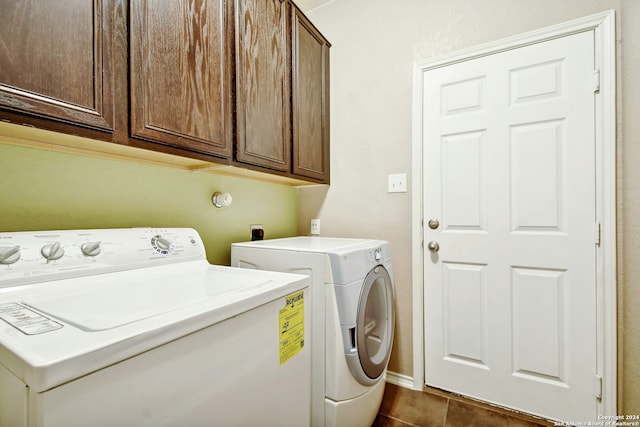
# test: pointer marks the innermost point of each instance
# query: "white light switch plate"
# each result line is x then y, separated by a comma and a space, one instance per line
397, 183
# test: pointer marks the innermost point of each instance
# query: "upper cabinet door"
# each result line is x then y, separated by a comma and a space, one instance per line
181, 73
263, 84
55, 60
310, 101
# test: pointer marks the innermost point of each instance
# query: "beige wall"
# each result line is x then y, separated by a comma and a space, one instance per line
375, 43
629, 208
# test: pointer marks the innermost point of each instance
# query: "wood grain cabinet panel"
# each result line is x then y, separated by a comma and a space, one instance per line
310, 100
263, 84
240, 82
55, 60
181, 73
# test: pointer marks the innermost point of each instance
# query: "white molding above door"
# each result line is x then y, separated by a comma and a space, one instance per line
603, 25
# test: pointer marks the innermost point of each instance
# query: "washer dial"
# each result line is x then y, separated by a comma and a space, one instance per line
91, 248
52, 251
162, 245
9, 254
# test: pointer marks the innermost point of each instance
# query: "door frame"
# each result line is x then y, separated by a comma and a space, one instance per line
603, 25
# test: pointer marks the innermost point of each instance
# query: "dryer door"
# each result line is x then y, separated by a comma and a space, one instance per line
374, 327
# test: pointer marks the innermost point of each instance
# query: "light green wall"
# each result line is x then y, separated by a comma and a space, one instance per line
46, 190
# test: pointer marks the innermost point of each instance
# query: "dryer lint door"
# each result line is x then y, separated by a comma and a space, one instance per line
372, 336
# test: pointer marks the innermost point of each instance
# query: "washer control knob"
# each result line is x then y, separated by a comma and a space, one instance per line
163, 243
91, 248
9, 254
52, 251
378, 254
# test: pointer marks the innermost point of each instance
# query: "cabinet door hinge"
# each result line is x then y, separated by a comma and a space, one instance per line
596, 81
598, 233
598, 387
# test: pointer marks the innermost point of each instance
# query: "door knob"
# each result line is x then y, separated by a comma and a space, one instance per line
433, 246
433, 223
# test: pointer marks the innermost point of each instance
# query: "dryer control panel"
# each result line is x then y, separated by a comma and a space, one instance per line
39, 256
374, 255
354, 263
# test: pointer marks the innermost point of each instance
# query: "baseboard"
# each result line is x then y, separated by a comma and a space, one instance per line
400, 380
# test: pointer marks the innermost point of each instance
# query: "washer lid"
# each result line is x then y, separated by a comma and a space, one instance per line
122, 314
139, 295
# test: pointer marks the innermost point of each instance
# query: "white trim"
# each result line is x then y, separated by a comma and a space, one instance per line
417, 246
605, 42
603, 25
400, 380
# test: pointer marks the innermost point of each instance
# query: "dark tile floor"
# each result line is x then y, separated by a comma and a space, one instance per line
402, 407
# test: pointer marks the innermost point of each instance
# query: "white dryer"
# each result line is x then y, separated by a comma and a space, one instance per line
352, 313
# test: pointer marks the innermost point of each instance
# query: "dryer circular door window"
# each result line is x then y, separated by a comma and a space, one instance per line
374, 327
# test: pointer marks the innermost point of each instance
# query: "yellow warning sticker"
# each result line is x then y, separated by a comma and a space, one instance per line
292, 326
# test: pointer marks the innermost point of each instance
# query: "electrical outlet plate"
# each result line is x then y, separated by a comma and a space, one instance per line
397, 183
257, 232
315, 227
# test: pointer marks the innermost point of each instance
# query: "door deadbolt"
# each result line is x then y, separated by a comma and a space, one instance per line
433, 223
433, 246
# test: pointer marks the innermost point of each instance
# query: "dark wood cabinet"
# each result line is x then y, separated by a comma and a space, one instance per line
310, 99
181, 73
263, 84
238, 82
282, 90
56, 60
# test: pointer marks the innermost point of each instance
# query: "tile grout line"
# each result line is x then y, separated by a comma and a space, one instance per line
446, 412
403, 422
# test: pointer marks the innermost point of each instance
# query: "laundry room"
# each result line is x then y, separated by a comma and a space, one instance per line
75, 164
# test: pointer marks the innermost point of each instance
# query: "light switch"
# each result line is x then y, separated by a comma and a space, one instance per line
397, 183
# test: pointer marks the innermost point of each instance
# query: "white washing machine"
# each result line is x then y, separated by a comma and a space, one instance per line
134, 328
352, 318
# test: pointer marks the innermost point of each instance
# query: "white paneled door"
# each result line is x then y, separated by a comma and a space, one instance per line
510, 256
